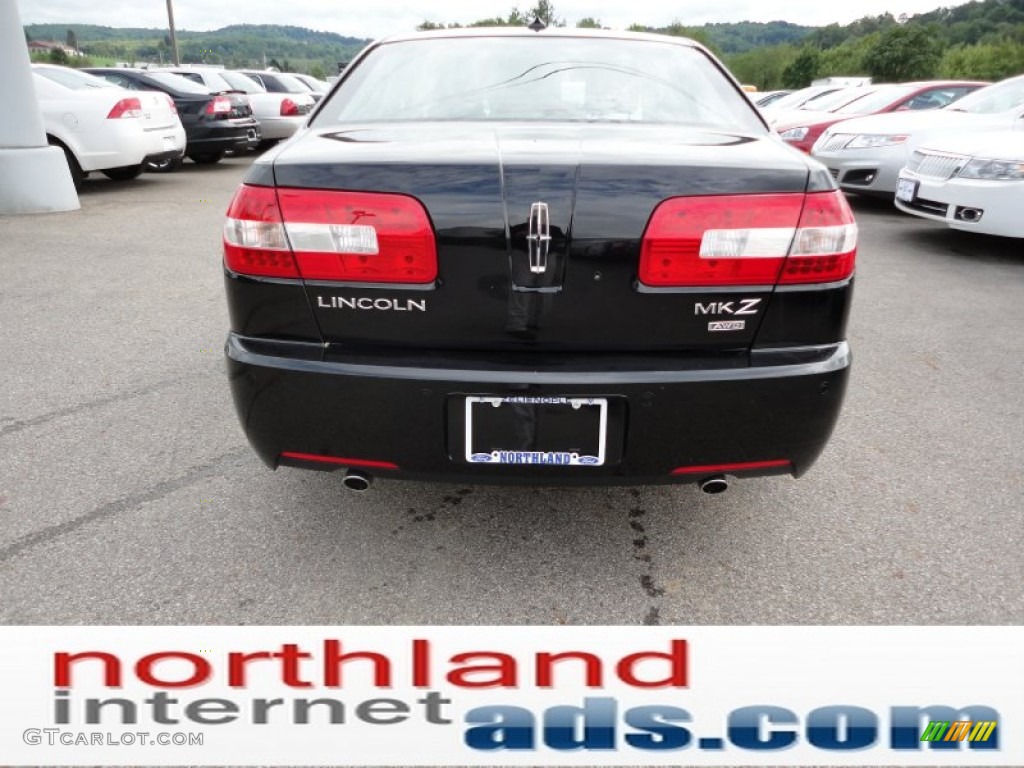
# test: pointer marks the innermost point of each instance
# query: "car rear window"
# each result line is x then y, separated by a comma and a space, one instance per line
546, 78
874, 101
178, 83
278, 83
240, 82
1001, 97
72, 78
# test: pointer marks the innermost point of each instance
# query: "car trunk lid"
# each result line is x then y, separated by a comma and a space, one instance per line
538, 232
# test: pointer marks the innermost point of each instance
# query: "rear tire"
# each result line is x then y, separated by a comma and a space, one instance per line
207, 158
123, 173
77, 175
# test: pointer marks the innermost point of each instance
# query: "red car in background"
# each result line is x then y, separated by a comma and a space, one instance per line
802, 132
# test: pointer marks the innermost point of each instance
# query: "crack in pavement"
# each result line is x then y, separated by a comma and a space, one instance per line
641, 553
125, 503
35, 421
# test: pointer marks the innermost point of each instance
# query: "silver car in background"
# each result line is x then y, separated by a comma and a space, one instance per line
865, 154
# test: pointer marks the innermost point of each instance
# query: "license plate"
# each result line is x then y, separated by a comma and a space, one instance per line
906, 190
551, 431
168, 143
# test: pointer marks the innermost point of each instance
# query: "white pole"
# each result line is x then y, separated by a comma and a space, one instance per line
34, 177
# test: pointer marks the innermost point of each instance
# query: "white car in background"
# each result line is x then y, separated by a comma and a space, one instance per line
318, 88
280, 114
866, 154
798, 99
102, 127
973, 182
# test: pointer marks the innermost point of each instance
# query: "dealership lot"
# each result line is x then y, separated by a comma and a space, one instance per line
128, 494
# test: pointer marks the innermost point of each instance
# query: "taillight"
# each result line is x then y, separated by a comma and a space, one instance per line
218, 105
749, 240
365, 237
825, 247
171, 104
130, 107
289, 108
254, 238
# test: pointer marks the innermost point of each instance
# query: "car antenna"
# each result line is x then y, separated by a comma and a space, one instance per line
537, 24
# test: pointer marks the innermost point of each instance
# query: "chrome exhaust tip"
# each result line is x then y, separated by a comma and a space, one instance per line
357, 481
716, 484
970, 215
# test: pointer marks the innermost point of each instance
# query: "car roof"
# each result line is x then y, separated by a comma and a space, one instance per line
518, 32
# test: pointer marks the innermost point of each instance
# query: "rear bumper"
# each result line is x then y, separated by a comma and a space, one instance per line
280, 127
223, 137
783, 405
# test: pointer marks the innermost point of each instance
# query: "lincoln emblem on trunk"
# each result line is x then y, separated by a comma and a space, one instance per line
539, 238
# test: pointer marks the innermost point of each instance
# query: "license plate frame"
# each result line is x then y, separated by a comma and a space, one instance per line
906, 190
557, 412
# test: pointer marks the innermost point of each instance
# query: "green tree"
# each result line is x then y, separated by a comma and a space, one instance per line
850, 58
763, 67
986, 61
803, 70
545, 11
72, 40
318, 72
905, 52
58, 56
588, 22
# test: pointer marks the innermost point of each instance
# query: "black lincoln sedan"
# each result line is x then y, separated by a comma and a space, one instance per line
214, 123
542, 256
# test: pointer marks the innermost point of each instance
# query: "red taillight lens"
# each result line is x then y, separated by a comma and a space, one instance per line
825, 247
125, 108
289, 108
254, 238
344, 236
745, 240
218, 105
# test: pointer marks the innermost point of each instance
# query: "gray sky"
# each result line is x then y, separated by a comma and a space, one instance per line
374, 18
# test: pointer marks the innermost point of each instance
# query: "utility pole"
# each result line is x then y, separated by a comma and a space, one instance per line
174, 36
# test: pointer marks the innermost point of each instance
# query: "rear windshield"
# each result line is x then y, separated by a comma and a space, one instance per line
546, 78
240, 82
835, 99
1000, 97
880, 99
279, 83
178, 83
72, 78
803, 96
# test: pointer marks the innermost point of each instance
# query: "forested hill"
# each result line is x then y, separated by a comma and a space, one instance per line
238, 45
747, 35
982, 39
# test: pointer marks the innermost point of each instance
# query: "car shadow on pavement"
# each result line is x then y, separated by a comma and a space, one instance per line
868, 204
977, 247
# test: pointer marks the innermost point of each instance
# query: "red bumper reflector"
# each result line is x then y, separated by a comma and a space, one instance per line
713, 468
365, 463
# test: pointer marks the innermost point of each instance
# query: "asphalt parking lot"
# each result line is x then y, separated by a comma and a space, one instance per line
128, 493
